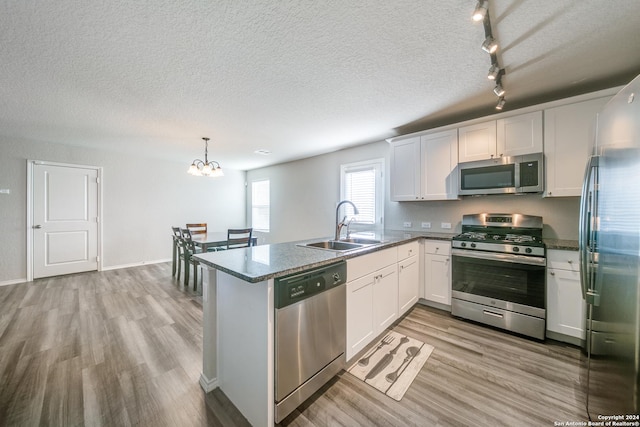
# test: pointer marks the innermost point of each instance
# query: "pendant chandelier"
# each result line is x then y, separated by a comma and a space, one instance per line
206, 168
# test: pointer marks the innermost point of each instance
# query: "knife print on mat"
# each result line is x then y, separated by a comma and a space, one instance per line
386, 359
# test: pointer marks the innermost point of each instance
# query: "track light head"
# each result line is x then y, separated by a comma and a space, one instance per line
501, 103
494, 72
498, 90
480, 12
490, 45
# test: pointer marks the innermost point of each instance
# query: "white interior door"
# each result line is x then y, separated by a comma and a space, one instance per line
65, 219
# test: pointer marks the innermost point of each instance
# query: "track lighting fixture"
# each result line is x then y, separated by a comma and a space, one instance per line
501, 103
480, 12
490, 45
494, 71
498, 90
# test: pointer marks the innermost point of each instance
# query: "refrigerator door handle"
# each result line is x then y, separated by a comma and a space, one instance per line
586, 208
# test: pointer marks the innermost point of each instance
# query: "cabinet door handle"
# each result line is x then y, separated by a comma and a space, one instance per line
553, 273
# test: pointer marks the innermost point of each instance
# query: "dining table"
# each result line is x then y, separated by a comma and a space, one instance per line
214, 239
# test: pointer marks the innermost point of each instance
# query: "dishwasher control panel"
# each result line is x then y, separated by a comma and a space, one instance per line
297, 287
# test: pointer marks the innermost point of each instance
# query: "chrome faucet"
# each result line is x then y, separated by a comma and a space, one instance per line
340, 224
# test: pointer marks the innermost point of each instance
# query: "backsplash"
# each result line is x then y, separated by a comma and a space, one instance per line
560, 215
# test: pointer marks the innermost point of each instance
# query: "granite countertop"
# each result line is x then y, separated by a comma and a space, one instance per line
567, 245
259, 263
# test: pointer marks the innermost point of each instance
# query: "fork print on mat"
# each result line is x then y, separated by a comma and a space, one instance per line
385, 341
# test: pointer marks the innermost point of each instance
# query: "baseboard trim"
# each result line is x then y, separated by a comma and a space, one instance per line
135, 264
434, 304
208, 384
557, 336
13, 282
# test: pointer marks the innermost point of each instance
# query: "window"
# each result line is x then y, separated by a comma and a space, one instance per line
362, 183
260, 205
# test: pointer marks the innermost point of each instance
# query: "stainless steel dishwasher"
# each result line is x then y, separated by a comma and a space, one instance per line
310, 328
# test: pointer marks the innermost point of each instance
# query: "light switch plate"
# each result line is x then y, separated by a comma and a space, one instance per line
407, 224
445, 225
426, 225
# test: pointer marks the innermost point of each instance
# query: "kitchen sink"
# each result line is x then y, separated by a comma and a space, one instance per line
334, 245
341, 245
361, 241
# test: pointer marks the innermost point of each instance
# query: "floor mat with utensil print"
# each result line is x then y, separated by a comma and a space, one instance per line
392, 364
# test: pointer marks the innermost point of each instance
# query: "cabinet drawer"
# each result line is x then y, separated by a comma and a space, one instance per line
437, 247
408, 250
563, 260
365, 264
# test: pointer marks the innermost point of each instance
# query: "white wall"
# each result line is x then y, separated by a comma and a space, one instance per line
142, 199
304, 194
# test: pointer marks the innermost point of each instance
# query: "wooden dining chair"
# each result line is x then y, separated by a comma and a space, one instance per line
177, 251
198, 228
189, 249
239, 237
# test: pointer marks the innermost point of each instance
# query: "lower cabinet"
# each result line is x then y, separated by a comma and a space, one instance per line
360, 323
566, 308
372, 297
408, 283
437, 271
385, 298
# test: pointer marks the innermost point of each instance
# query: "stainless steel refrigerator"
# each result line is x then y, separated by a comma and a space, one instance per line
610, 258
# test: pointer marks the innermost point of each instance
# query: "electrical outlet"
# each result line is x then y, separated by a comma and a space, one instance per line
426, 225
5, 191
407, 224
446, 225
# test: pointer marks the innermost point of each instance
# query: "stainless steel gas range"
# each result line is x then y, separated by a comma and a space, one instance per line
498, 272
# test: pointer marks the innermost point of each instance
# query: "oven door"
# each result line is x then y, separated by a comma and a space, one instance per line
506, 281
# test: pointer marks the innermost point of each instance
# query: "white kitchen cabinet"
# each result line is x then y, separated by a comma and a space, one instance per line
439, 154
372, 297
424, 167
408, 283
437, 271
385, 298
565, 306
360, 324
405, 169
510, 136
477, 142
519, 135
569, 132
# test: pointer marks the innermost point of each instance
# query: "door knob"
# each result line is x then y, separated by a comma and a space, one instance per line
37, 226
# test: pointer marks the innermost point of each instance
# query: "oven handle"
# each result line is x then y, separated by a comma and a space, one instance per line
493, 256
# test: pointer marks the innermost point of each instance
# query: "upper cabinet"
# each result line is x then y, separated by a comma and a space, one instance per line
519, 135
405, 169
439, 176
511, 136
477, 142
569, 133
424, 167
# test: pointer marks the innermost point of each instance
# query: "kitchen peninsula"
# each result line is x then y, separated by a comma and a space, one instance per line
238, 314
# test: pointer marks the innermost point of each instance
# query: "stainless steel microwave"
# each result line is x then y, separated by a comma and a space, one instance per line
507, 174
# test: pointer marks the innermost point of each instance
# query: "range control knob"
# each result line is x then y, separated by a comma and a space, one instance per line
516, 249
463, 244
528, 250
473, 245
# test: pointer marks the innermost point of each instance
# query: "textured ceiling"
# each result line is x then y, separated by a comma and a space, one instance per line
293, 77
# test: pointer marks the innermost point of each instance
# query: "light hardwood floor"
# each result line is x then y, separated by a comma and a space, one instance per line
114, 348
124, 347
